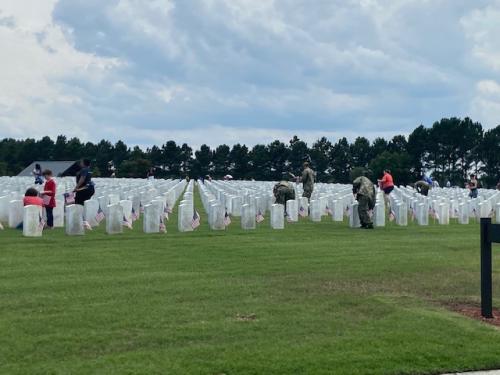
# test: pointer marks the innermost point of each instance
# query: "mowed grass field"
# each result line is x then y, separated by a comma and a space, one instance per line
315, 298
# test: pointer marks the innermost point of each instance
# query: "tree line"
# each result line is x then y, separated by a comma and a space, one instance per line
448, 151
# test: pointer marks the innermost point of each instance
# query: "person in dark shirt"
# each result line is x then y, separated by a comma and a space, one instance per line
84, 189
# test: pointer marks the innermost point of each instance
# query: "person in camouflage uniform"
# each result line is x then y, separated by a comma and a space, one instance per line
422, 187
283, 191
364, 190
307, 180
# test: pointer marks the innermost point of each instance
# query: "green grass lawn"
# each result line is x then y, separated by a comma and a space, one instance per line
315, 298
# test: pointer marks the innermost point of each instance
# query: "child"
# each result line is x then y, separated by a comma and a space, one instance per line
49, 197
31, 198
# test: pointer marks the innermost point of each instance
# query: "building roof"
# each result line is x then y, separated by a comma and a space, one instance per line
58, 168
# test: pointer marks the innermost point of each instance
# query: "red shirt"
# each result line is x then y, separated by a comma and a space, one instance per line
50, 189
32, 201
386, 181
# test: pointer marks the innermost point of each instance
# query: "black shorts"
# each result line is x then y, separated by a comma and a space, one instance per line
388, 190
84, 195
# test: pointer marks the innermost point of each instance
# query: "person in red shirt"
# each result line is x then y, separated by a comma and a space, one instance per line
387, 182
31, 198
49, 196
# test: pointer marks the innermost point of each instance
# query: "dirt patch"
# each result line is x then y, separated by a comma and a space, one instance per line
472, 310
246, 318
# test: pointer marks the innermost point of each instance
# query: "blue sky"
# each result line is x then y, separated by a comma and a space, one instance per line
249, 71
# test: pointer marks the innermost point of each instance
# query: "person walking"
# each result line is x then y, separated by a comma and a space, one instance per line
386, 183
473, 186
84, 189
364, 191
307, 179
49, 197
37, 172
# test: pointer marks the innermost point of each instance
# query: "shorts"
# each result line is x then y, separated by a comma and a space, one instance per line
84, 195
388, 190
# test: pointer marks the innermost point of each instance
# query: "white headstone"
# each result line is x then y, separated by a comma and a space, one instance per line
114, 220
90, 208
58, 213
354, 216
292, 210
31, 221
16, 212
74, 220
277, 216
316, 210
248, 217
151, 219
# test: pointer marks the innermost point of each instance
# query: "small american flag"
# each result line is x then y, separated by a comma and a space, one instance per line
86, 225
127, 223
1, 226
165, 212
169, 210
163, 228
41, 222
328, 210
413, 214
492, 213
135, 216
370, 213
302, 212
435, 214
69, 198
347, 210
141, 208
46, 199
392, 216
99, 216
196, 220
259, 218
227, 219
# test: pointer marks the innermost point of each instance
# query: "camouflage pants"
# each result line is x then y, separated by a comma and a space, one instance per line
284, 194
307, 193
365, 204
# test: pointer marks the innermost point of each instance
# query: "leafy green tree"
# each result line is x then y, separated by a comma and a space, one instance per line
203, 161
278, 160
239, 161
299, 153
399, 164
221, 161
341, 161
490, 156
320, 158
260, 163
361, 152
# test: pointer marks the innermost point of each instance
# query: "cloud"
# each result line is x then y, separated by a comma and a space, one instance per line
225, 71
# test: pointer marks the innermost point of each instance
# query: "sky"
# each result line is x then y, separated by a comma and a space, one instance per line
247, 71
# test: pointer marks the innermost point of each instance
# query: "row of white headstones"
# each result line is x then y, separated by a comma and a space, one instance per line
121, 201
251, 200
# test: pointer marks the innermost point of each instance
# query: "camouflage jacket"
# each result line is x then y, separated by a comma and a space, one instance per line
363, 186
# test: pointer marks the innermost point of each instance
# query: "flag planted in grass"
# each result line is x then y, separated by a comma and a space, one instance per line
69, 198
99, 216
195, 223
41, 222
227, 219
163, 228
86, 225
259, 218
302, 211
127, 223
135, 216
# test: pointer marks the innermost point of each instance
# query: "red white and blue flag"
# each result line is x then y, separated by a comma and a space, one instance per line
86, 225
41, 222
163, 228
99, 216
302, 212
127, 223
227, 219
392, 215
195, 223
69, 198
259, 218
166, 212
328, 210
135, 216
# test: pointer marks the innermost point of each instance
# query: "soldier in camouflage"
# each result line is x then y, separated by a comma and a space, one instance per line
307, 180
364, 190
283, 191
